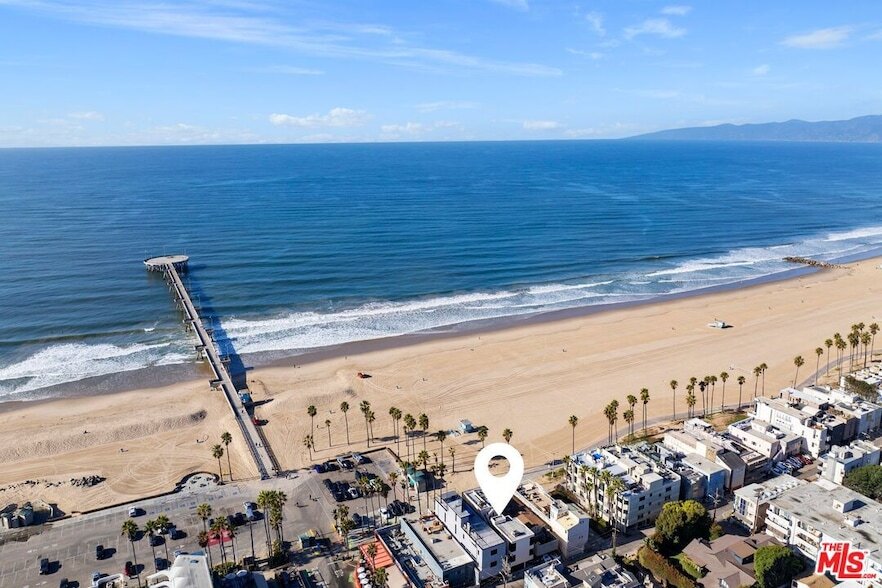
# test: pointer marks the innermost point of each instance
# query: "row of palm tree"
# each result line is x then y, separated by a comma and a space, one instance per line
218, 451
152, 527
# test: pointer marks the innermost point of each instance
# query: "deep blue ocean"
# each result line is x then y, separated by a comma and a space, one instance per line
297, 247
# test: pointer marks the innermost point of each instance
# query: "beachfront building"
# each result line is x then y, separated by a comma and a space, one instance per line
752, 501
569, 524
866, 416
805, 421
187, 571
483, 544
647, 481
835, 464
715, 447
600, 571
807, 514
518, 536
762, 437
427, 554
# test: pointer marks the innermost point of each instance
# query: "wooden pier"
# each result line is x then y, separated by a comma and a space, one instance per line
172, 266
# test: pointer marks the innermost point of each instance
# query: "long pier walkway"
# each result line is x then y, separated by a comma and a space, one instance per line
171, 266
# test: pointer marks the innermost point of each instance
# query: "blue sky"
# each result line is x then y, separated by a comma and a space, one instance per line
95, 72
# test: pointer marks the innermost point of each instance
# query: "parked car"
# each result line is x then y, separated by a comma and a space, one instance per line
385, 514
173, 532
160, 563
353, 492
331, 466
357, 519
128, 569
99, 552
358, 458
44, 566
64, 583
319, 468
249, 510
179, 552
134, 511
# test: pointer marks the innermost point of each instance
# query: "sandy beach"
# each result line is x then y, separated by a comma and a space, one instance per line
528, 378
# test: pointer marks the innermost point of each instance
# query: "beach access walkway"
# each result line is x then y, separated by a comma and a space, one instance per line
171, 266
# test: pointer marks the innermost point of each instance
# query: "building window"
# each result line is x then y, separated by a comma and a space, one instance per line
494, 551
493, 564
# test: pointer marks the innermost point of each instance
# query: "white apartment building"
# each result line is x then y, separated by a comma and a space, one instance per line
762, 437
648, 484
567, 522
809, 514
840, 460
804, 422
187, 571
752, 501
518, 536
476, 536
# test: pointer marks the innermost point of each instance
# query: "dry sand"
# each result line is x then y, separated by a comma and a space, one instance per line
528, 378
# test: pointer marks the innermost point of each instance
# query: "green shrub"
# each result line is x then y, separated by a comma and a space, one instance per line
662, 570
774, 565
679, 523
867, 480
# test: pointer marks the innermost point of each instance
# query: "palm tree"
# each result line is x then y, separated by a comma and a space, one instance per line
866, 339
203, 511
798, 361
441, 436
840, 348
690, 401
344, 408
380, 576
217, 452
264, 502
631, 400
819, 351
756, 374
483, 431
712, 380
452, 452
507, 434
202, 540
853, 340
371, 552
740, 380
573, 420
365, 407
644, 398
311, 411
615, 413
424, 425
828, 343
163, 524
226, 439
723, 377
328, 427
763, 367
607, 412
130, 532
218, 526
702, 387
150, 527
371, 417
309, 444
395, 413
613, 489
410, 424
673, 384
874, 328
628, 416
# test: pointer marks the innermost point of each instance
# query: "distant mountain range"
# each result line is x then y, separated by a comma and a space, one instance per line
863, 129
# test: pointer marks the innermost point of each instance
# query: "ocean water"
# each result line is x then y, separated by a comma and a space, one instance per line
299, 247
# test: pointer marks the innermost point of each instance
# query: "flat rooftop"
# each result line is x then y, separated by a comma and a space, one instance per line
446, 550
769, 489
479, 529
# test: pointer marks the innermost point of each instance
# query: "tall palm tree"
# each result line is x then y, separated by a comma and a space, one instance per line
702, 387
309, 444
393, 477
756, 374
828, 343
409, 425
712, 380
673, 384
631, 400
217, 531
371, 552
150, 527
380, 578
226, 439
644, 398
874, 328
202, 540
841, 345
628, 417
395, 413
163, 524
452, 452
130, 532
217, 452
483, 431
615, 412
365, 408
424, 425
311, 411
264, 503
740, 380
328, 427
866, 339
853, 340
819, 351
723, 377
690, 401
371, 417
607, 412
763, 367
798, 361
203, 511
573, 420
344, 408
613, 489
441, 436
507, 434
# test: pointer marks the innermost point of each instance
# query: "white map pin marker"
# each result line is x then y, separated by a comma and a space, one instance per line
499, 489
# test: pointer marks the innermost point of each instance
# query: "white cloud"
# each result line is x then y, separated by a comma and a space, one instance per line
271, 24
819, 39
522, 5
595, 55
290, 70
445, 105
541, 125
762, 70
336, 117
676, 10
660, 27
90, 115
595, 19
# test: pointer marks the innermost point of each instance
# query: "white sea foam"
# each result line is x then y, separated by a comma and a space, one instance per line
69, 362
